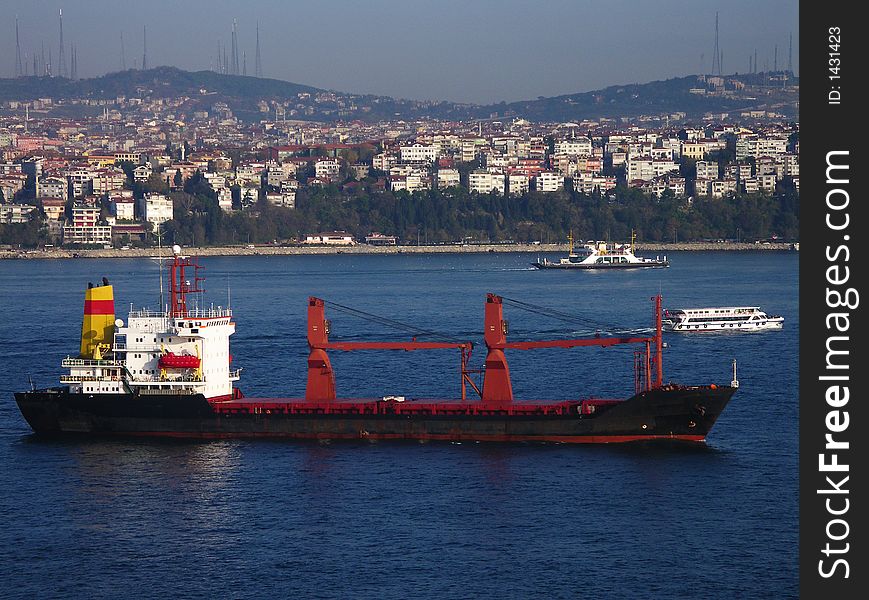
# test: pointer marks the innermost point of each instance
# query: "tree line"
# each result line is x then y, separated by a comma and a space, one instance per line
443, 216
449, 215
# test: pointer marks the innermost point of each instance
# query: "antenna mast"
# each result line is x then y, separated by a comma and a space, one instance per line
144, 47
61, 58
258, 63
234, 65
19, 70
716, 55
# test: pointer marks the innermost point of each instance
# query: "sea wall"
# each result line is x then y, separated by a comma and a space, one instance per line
265, 250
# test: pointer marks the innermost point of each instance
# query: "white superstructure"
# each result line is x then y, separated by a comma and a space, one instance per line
179, 350
728, 318
601, 255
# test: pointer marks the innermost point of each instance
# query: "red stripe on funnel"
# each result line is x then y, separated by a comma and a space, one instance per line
99, 307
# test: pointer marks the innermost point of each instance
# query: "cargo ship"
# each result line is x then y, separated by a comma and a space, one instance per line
169, 373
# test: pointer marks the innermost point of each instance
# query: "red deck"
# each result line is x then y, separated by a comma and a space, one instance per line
366, 406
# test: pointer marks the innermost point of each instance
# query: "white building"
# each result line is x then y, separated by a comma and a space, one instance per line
547, 181
576, 147
647, 168
250, 173
419, 153
86, 228
288, 199
707, 169
469, 149
81, 181
383, 161
588, 183
518, 184
123, 205
142, 172
224, 199
766, 182
661, 184
156, 209
277, 173
484, 182
15, 213
332, 238
327, 168
721, 187
54, 187
760, 146
416, 181
447, 178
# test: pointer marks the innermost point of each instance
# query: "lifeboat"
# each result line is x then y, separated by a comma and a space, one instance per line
178, 361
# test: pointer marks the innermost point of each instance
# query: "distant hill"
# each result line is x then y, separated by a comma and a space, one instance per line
656, 97
161, 81
243, 94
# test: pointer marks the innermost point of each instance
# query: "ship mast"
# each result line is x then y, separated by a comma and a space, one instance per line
179, 286
160, 260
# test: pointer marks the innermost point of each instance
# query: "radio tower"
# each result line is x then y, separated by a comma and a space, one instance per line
716, 54
144, 47
790, 53
235, 69
19, 70
61, 71
123, 54
258, 63
775, 59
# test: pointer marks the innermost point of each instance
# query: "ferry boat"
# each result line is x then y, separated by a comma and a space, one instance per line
730, 318
169, 373
601, 255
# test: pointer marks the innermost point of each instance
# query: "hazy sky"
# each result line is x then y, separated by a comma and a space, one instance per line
460, 50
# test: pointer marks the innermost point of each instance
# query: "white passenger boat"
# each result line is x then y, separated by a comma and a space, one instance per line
601, 255
729, 318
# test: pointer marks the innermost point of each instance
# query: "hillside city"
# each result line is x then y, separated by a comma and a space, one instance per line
144, 169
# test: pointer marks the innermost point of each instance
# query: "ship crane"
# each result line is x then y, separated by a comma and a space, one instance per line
497, 388
320, 386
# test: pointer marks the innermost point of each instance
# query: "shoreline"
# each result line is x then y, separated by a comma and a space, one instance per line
60, 253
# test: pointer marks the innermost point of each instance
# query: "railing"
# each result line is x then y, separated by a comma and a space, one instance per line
137, 348
80, 378
156, 379
88, 362
167, 392
192, 313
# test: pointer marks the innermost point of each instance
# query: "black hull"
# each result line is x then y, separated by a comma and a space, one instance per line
672, 412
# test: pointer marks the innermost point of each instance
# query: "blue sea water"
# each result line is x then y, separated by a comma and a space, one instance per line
253, 519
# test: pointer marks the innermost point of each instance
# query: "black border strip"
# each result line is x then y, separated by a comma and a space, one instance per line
832, 262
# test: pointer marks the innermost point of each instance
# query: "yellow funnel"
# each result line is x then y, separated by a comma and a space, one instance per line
98, 325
